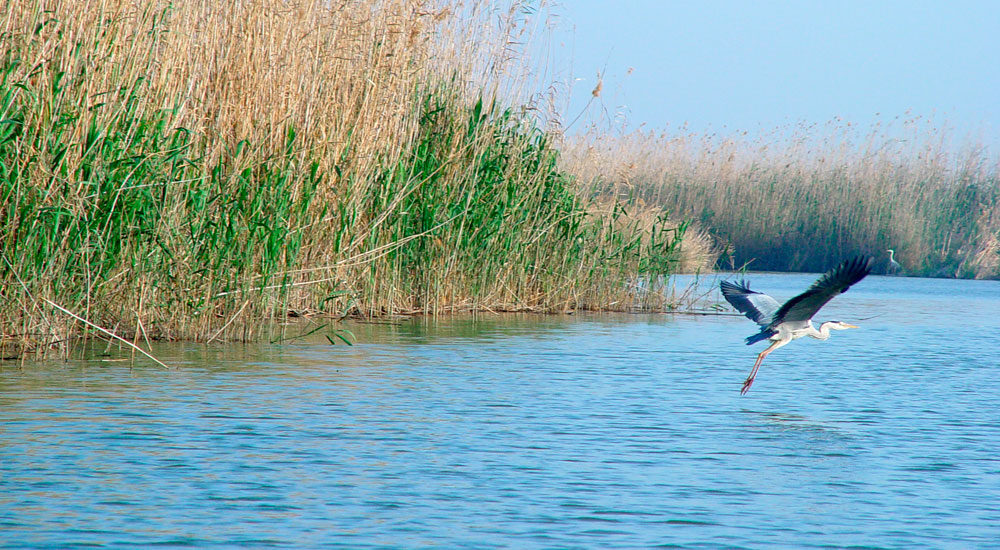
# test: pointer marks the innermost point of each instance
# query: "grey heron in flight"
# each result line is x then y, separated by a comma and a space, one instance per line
782, 323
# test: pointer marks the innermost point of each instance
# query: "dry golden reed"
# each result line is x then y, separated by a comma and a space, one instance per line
803, 198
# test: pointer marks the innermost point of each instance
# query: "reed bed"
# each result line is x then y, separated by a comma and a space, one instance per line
201, 170
804, 198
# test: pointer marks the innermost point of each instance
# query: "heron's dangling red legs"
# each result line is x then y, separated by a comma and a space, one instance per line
760, 359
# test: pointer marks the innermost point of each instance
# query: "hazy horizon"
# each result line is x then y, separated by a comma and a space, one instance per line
727, 66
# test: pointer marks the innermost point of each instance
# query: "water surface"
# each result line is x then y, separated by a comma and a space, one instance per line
584, 431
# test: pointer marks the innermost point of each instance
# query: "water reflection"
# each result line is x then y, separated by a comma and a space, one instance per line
533, 432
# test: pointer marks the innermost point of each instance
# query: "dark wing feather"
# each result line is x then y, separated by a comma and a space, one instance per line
757, 306
832, 283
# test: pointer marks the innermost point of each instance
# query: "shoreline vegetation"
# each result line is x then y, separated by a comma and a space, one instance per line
202, 170
805, 197
193, 171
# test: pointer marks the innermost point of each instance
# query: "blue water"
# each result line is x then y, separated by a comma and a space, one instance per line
576, 431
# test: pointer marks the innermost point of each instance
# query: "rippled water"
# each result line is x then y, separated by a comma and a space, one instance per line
529, 432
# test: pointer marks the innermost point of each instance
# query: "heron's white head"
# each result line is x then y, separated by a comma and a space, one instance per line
839, 325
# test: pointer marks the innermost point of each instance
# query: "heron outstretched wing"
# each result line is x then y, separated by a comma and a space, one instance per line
757, 306
832, 283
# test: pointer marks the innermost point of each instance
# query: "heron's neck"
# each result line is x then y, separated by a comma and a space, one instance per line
890, 256
823, 333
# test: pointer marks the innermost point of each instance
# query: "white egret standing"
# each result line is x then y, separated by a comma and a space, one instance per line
782, 323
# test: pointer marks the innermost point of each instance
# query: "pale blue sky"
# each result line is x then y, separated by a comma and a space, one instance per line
761, 65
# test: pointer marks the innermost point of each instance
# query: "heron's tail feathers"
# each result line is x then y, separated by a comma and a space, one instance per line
762, 335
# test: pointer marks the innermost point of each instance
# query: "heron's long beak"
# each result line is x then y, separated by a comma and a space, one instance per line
850, 326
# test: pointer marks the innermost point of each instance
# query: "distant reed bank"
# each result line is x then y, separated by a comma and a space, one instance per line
804, 198
199, 170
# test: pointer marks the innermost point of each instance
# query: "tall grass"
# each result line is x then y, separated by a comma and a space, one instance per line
193, 169
802, 199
